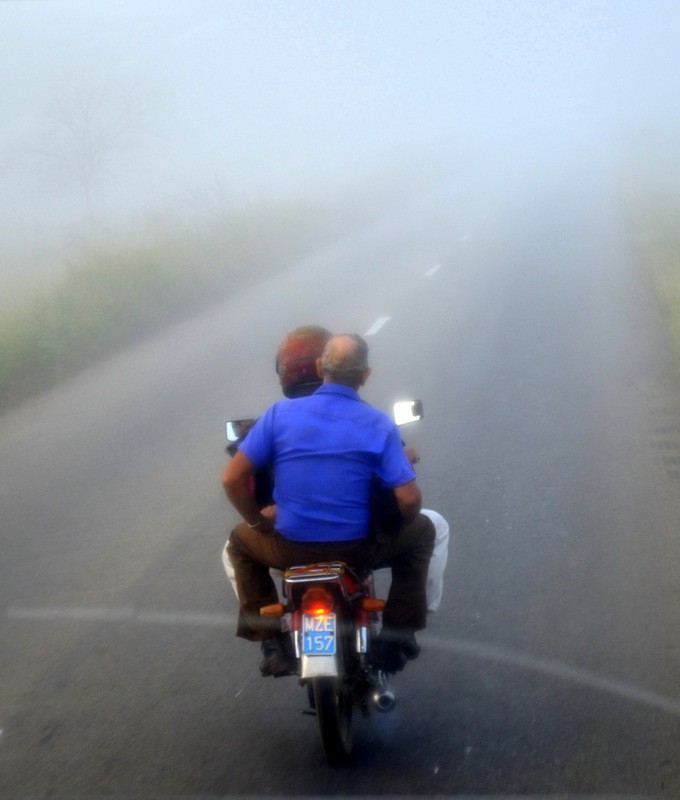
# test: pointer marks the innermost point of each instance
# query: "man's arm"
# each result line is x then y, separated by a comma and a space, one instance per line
409, 500
236, 480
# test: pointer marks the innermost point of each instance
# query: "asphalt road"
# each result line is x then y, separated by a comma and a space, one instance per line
551, 443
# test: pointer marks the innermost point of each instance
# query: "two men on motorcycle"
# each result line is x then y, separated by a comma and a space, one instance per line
320, 446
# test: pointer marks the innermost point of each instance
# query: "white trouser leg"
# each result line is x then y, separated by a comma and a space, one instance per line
440, 554
229, 569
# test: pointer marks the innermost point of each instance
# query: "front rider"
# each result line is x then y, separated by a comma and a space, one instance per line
320, 445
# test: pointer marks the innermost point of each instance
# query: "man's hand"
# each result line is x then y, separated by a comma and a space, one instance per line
268, 519
412, 455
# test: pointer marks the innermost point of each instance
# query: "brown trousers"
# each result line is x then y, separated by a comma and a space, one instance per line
407, 552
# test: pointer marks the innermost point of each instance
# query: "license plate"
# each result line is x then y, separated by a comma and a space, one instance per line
318, 635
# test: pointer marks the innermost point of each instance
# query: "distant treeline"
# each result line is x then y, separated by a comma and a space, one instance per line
117, 292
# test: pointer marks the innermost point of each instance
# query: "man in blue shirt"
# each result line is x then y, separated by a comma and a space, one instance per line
327, 449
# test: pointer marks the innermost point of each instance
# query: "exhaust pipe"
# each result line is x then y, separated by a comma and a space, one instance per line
383, 697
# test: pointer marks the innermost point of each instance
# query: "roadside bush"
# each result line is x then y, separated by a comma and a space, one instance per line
115, 293
655, 221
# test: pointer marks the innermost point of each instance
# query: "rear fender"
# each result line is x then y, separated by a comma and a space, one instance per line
319, 667
295, 582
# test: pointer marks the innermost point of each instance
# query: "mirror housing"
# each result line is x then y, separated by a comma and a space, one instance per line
407, 411
235, 429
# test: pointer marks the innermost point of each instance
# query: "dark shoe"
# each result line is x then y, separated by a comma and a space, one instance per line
387, 656
409, 646
278, 658
392, 649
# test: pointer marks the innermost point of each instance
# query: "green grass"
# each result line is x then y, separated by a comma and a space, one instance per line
118, 292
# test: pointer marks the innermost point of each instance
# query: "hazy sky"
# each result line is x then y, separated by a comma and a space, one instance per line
271, 96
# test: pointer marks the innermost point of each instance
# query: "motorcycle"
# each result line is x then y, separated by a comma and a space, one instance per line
333, 615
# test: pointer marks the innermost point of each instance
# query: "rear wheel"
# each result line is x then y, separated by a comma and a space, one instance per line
333, 703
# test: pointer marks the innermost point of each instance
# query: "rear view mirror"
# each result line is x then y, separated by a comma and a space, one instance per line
408, 411
236, 428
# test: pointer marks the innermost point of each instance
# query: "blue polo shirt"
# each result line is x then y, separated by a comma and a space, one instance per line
326, 449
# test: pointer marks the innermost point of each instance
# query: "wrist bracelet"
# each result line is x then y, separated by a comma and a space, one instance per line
256, 525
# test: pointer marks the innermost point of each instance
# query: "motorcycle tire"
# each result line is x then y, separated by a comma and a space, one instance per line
333, 703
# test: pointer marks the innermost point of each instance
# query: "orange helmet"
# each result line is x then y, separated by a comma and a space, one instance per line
296, 360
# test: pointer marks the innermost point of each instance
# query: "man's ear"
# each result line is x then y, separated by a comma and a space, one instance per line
365, 376
319, 371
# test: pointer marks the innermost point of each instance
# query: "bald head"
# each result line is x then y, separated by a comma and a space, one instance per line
345, 360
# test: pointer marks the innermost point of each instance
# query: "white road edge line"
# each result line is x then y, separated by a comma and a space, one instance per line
461, 647
377, 325
556, 669
94, 613
432, 270
121, 614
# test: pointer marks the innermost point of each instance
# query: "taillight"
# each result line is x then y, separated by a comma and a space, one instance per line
317, 601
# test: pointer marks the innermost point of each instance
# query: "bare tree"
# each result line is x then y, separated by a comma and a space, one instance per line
86, 133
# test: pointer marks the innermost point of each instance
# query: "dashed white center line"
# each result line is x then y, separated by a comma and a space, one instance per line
377, 325
432, 270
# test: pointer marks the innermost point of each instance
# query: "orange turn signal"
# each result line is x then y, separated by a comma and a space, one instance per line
276, 610
372, 604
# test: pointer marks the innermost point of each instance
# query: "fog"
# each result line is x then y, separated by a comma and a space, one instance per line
116, 111
141, 142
